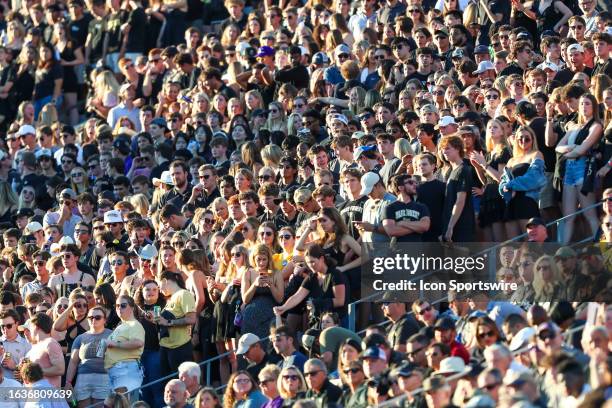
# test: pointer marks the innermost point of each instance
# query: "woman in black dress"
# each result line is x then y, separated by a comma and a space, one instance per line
604, 173
48, 80
70, 56
489, 168
23, 87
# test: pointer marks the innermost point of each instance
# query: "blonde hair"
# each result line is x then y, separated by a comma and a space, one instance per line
271, 155
48, 115
490, 144
106, 83
140, 203
402, 147
546, 288
281, 390
516, 150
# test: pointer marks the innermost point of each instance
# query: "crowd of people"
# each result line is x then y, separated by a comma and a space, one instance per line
183, 180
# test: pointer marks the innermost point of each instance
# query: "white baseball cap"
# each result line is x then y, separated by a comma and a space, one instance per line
368, 181
113, 216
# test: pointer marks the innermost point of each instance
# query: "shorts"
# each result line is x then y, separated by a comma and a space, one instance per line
95, 386
126, 374
547, 194
574, 172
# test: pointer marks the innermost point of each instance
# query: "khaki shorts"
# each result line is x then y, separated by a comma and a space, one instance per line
547, 194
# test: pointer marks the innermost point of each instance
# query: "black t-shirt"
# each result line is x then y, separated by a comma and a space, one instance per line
512, 68
45, 80
296, 76
113, 30
78, 30
326, 291
538, 125
419, 76
138, 31
400, 331
7, 74
565, 75
352, 211
412, 211
432, 194
460, 180
96, 31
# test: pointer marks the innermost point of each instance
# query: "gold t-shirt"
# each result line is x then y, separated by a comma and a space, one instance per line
180, 303
126, 331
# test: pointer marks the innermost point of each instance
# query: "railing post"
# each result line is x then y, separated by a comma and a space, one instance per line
208, 374
560, 231
351, 316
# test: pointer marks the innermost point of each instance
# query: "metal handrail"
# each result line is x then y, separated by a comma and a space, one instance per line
352, 306
352, 309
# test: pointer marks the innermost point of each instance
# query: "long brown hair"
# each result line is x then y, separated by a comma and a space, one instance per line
229, 399
46, 65
340, 229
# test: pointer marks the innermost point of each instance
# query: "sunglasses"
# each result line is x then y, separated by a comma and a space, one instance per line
414, 11
266, 233
80, 306
237, 255
459, 105
492, 96
117, 262
379, 57
205, 176
265, 177
312, 373
62, 306
491, 387
209, 221
438, 93
415, 352
99, 228
77, 174
291, 377
486, 334
8, 326
67, 256
121, 305
546, 336
423, 311
343, 56
365, 117
39, 263
351, 371
284, 236
96, 317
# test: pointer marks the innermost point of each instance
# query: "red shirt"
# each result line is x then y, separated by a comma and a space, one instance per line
459, 350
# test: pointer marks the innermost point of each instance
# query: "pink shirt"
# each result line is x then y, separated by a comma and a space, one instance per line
42, 353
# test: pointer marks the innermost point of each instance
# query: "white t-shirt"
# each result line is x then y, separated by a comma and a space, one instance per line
9, 383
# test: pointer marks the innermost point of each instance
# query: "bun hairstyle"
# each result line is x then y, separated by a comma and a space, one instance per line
317, 251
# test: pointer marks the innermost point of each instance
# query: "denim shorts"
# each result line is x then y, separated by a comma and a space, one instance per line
574, 172
96, 386
126, 374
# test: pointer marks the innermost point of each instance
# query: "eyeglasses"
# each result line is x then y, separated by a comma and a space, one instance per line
312, 373
486, 334
266, 233
492, 96
8, 326
242, 381
121, 305
423, 311
291, 377
351, 371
